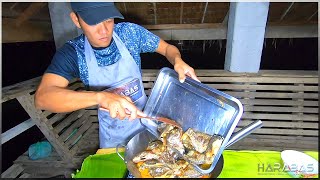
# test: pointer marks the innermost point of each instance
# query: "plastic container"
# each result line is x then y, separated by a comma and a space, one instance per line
39, 150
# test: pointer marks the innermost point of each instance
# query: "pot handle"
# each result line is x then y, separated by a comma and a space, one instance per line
235, 138
244, 132
117, 150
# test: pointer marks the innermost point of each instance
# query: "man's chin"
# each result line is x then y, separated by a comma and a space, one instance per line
102, 45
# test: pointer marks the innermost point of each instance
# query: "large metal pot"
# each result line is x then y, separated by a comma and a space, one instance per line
140, 142
192, 105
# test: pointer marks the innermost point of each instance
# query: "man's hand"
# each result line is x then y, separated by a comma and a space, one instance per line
184, 69
118, 106
173, 55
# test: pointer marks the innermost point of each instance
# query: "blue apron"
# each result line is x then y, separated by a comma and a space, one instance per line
123, 78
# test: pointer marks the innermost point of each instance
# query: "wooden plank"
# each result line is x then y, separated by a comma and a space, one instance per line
261, 73
278, 102
247, 144
81, 130
275, 108
272, 95
291, 31
27, 103
205, 25
13, 91
13, 132
76, 148
46, 162
93, 112
13, 171
284, 137
89, 150
88, 147
56, 118
148, 78
94, 118
148, 85
308, 82
73, 116
276, 124
90, 141
285, 131
264, 148
48, 172
45, 114
183, 26
281, 142
63, 137
10, 92
288, 117
25, 175
94, 134
261, 80
258, 87
21, 88
238, 79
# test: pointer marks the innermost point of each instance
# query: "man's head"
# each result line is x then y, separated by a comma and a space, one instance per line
96, 19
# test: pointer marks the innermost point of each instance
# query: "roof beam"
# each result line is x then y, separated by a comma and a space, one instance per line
220, 32
13, 6
306, 31
286, 12
33, 8
155, 12
181, 12
312, 15
30, 32
204, 12
226, 17
125, 7
182, 26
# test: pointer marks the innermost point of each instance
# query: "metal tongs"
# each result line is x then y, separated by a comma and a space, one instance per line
161, 119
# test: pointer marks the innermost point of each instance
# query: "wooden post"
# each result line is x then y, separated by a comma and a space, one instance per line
62, 26
246, 30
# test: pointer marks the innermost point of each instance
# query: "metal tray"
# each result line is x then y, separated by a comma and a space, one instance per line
193, 105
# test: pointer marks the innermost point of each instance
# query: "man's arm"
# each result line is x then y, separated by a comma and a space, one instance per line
174, 57
53, 95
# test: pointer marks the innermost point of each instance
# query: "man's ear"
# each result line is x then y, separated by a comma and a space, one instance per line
75, 19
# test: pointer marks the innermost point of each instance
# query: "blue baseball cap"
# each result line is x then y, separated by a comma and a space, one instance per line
95, 12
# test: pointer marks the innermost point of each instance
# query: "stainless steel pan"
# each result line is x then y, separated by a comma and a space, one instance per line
140, 142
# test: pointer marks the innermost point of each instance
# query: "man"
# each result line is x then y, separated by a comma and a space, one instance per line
106, 57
